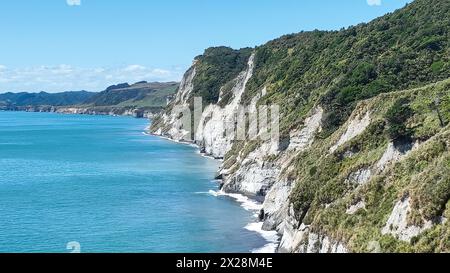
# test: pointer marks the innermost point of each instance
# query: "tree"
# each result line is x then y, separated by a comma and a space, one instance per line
396, 117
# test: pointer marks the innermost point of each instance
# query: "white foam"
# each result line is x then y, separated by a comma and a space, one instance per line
250, 205
269, 248
209, 157
247, 203
175, 141
270, 236
202, 192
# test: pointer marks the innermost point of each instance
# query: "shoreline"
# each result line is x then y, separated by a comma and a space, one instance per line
74, 114
272, 238
85, 113
250, 204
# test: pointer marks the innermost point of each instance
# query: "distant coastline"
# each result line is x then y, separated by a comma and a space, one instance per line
100, 111
140, 100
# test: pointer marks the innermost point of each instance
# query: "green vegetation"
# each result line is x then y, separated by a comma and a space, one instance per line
397, 116
405, 49
142, 96
12, 100
138, 95
322, 196
216, 67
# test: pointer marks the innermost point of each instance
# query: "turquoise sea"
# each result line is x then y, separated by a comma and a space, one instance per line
101, 182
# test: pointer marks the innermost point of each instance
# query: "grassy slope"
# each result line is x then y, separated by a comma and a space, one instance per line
405, 49
142, 95
424, 175
153, 99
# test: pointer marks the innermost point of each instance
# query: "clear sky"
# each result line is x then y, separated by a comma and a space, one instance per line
58, 45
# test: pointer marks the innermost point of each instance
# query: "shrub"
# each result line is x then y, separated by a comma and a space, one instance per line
396, 118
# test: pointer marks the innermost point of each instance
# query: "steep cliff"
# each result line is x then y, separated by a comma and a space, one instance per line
360, 165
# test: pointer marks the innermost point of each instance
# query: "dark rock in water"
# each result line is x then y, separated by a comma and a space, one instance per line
221, 185
219, 176
262, 215
139, 114
203, 150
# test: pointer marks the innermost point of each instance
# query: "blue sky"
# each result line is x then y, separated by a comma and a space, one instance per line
57, 45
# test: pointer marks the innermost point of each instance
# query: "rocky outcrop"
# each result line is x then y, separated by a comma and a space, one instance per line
276, 203
360, 177
301, 239
355, 127
395, 153
356, 207
210, 132
299, 140
171, 123
397, 224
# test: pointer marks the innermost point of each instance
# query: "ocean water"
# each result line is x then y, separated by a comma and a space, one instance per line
100, 182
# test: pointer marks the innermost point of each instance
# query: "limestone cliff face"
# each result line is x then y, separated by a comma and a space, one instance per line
268, 172
170, 123
359, 166
212, 125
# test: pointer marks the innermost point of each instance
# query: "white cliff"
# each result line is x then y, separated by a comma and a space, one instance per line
394, 154
172, 119
356, 207
299, 140
302, 240
355, 127
276, 202
211, 132
397, 224
186, 87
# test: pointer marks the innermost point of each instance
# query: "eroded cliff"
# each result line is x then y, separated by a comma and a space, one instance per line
359, 166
